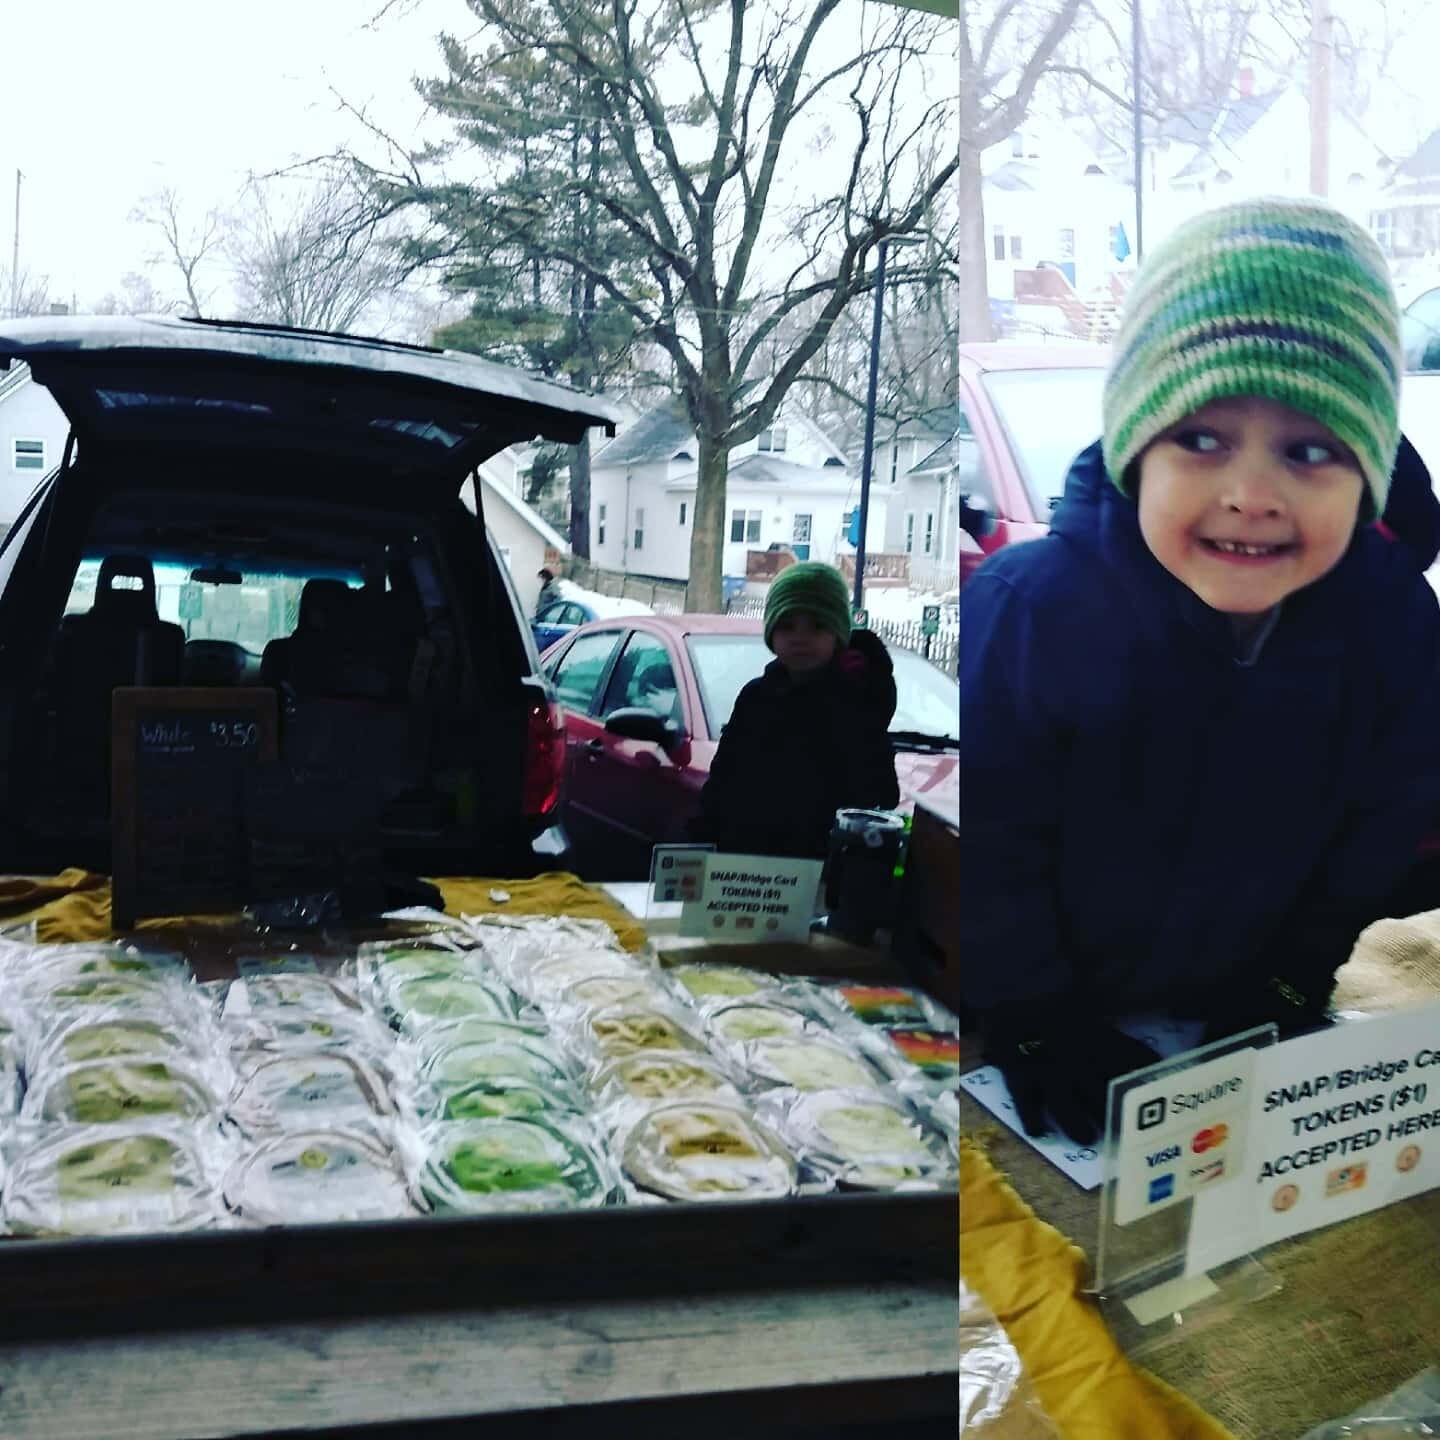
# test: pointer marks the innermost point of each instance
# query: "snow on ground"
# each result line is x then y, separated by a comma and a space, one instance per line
901, 606
606, 607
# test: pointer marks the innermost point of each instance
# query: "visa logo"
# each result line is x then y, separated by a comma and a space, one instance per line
1163, 1157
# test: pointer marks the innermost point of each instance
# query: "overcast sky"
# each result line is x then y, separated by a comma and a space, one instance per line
104, 102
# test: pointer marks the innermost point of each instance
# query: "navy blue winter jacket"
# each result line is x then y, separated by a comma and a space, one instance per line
1144, 819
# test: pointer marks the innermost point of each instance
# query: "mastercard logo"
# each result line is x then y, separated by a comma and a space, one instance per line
1209, 1138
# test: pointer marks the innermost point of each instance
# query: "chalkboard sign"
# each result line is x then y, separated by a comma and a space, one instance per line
178, 766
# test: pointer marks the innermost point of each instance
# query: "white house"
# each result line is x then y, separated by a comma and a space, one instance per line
932, 493
33, 430
523, 537
789, 486
1251, 145
906, 484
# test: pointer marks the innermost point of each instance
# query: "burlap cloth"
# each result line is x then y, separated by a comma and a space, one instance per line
1359, 1308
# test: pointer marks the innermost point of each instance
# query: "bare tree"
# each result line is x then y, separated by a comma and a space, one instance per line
185, 244
136, 295
319, 261
30, 295
702, 99
1005, 50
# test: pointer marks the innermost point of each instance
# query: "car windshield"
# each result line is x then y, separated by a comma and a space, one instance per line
927, 700
1049, 417
262, 607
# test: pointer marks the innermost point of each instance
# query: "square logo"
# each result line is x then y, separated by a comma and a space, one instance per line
1152, 1113
1162, 1187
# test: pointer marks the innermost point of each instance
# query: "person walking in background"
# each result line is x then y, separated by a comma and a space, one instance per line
811, 734
549, 590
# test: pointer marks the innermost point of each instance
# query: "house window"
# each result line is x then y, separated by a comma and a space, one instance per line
909, 532
745, 527
1014, 247
28, 455
894, 459
929, 532
639, 527
999, 242
1066, 241
1382, 226
683, 505
600, 526
800, 531
772, 439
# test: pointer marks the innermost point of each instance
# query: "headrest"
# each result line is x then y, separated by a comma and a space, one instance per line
109, 599
324, 605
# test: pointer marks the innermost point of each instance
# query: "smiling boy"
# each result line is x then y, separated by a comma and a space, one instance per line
1200, 722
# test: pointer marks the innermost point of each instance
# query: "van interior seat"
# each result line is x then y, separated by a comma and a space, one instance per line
120, 641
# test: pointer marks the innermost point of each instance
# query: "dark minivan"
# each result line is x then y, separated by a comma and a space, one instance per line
248, 505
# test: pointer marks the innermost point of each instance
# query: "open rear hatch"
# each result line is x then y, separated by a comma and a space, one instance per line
174, 385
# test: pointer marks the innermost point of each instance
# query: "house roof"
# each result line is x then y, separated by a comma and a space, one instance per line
1226, 123
768, 470
495, 490
13, 378
1012, 175
945, 455
659, 434
1425, 162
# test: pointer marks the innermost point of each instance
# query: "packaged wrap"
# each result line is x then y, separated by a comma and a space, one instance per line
415, 1005
72, 1036
48, 964
447, 1069
706, 1150
627, 1029
549, 978
628, 1087
380, 967
306, 1090
480, 1166
807, 1062
601, 992
884, 1004
699, 982
760, 1019
309, 1177
499, 1097
917, 1058
137, 1178
117, 1091
863, 1140
271, 997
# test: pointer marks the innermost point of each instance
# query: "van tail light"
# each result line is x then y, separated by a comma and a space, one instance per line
544, 759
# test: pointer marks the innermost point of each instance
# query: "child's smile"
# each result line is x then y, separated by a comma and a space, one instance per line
1247, 501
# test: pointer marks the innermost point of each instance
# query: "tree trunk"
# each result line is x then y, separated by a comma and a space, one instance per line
974, 285
707, 532
580, 498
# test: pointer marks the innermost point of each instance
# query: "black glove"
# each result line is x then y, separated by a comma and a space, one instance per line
1296, 1009
1060, 1059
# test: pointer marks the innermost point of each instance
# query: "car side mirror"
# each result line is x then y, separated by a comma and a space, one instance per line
634, 723
977, 519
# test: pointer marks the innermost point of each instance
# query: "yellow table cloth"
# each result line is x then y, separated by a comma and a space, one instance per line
75, 904
1030, 1275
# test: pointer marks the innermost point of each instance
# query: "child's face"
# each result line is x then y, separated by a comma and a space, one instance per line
1247, 501
802, 644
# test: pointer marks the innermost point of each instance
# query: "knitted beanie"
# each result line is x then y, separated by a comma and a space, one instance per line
1278, 298
817, 589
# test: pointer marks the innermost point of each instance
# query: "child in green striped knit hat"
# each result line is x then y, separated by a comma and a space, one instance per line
1200, 721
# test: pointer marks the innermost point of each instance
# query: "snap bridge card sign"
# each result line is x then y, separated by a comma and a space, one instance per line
1337, 1124
753, 899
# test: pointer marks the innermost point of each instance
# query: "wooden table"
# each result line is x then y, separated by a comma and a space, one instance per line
1358, 1312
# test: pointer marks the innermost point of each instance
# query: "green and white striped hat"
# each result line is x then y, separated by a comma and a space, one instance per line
1283, 299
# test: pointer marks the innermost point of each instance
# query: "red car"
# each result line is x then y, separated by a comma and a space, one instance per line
645, 698
1025, 413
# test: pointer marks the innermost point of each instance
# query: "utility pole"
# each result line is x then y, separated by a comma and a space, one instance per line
1139, 146
865, 458
15, 253
1321, 22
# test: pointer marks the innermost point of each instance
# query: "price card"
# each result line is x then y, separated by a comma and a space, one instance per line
178, 757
